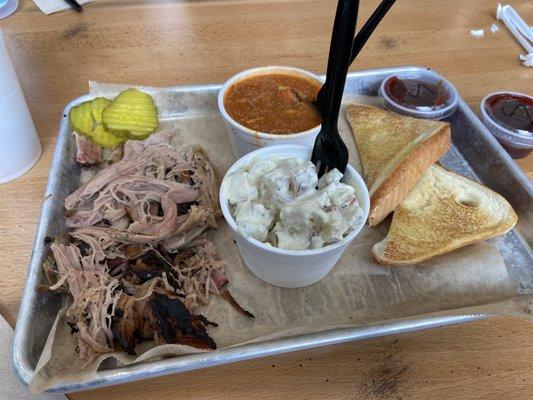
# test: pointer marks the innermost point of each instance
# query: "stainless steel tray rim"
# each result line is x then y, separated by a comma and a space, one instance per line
215, 358
24, 371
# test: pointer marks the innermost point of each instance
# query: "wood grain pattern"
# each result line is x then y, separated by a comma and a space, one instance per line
473, 361
164, 43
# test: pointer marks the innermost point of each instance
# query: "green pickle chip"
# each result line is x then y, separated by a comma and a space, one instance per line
132, 115
81, 119
97, 106
133, 112
86, 119
106, 139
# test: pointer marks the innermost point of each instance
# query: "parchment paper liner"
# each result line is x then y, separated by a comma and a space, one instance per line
472, 280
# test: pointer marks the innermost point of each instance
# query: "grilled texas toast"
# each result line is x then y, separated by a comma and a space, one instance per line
395, 151
443, 212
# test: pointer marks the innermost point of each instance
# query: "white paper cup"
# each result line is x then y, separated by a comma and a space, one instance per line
19, 144
289, 268
243, 139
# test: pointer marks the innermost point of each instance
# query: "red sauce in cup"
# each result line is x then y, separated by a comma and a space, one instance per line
512, 111
509, 117
415, 93
420, 94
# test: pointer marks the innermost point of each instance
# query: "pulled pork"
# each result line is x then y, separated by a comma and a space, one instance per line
137, 263
87, 152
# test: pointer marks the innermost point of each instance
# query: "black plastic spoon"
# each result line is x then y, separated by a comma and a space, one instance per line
360, 39
330, 151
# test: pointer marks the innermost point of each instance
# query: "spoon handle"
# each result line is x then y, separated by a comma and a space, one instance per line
359, 41
368, 28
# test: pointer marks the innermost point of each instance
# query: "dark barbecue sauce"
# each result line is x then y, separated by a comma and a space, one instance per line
512, 111
414, 93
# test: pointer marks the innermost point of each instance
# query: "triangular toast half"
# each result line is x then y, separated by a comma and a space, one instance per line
443, 212
395, 151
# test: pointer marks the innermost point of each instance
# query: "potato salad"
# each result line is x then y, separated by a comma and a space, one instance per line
281, 202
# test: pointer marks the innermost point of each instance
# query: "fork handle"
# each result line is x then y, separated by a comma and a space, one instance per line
338, 64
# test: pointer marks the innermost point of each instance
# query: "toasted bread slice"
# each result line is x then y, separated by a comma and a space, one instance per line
395, 151
443, 212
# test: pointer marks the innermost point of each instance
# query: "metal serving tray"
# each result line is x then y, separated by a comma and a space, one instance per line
475, 153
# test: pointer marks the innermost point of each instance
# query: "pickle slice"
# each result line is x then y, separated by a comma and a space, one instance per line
106, 139
87, 115
81, 118
132, 111
97, 106
86, 119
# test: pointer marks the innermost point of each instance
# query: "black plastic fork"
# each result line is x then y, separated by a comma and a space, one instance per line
330, 151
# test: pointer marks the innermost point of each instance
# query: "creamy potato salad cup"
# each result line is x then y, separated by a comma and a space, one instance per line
290, 227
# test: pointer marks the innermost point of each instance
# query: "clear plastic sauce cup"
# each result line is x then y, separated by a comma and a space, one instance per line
420, 94
508, 116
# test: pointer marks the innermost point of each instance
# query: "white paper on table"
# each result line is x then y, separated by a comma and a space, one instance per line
52, 6
10, 386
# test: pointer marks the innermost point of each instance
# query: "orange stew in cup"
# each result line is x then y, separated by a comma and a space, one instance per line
274, 103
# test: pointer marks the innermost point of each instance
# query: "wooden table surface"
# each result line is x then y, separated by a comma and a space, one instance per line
165, 43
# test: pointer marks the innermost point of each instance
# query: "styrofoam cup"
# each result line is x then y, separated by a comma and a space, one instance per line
291, 268
8, 7
20, 148
243, 139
